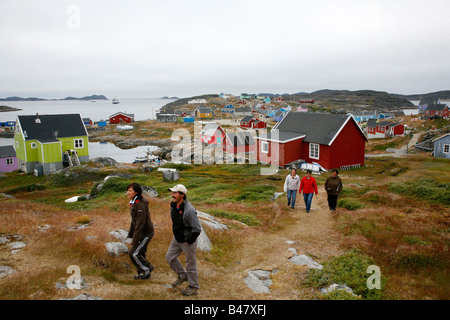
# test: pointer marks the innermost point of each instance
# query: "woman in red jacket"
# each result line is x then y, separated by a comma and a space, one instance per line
309, 186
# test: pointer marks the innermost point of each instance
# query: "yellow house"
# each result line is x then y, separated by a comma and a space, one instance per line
203, 112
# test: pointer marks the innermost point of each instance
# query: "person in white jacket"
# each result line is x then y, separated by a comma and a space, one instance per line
291, 186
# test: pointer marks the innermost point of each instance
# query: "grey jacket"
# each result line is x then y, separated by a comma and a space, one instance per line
190, 228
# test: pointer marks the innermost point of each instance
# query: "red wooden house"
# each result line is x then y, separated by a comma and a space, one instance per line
437, 110
333, 141
246, 122
258, 124
384, 129
121, 117
212, 133
239, 142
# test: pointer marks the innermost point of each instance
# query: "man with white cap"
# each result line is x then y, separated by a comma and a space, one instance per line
186, 228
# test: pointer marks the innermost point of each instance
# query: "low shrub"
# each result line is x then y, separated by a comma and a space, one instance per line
248, 219
26, 188
425, 189
349, 204
349, 269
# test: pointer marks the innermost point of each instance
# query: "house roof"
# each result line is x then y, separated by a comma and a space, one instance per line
246, 118
445, 135
7, 151
130, 115
52, 126
240, 138
204, 109
318, 128
210, 128
437, 107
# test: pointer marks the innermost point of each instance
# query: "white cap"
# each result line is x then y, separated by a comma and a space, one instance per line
179, 188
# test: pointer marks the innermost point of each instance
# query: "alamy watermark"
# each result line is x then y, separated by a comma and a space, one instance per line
237, 147
74, 281
374, 281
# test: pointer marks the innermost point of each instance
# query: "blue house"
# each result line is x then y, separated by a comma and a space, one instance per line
228, 109
8, 124
364, 116
442, 147
387, 115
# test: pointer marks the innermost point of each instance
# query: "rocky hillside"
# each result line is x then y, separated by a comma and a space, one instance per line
353, 100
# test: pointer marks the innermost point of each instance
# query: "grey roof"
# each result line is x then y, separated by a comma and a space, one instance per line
437, 107
282, 136
246, 118
52, 126
7, 151
318, 128
241, 138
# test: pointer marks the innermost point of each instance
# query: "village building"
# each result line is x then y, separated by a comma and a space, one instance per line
8, 159
364, 116
239, 142
46, 143
243, 111
166, 117
333, 141
212, 133
121, 117
203, 112
442, 147
440, 110
428, 101
246, 122
258, 124
384, 129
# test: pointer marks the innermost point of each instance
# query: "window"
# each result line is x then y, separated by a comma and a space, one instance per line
78, 143
33, 145
9, 161
314, 151
264, 147
446, 148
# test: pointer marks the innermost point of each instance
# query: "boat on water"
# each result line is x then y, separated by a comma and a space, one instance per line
148, 158
115, 101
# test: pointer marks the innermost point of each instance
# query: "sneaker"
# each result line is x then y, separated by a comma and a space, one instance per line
142, 276
189, 291
179, 281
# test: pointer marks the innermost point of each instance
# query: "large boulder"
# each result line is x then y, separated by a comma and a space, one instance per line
116, 248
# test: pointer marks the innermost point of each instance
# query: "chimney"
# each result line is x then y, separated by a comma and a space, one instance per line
37, 120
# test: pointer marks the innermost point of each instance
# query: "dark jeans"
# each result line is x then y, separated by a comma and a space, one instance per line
308, 200
138, 257
332, 201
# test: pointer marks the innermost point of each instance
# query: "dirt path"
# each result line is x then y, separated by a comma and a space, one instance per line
313, 234
400, 152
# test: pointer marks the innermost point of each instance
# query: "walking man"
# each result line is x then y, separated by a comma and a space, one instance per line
186, 228
141, 231
291, 185
333, 186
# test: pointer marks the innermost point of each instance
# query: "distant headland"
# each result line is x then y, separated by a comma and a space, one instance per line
87, 98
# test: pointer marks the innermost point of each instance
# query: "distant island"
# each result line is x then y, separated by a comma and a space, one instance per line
171, 98
87, 98
8, 109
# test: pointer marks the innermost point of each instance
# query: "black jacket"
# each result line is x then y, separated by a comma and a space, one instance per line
185, 224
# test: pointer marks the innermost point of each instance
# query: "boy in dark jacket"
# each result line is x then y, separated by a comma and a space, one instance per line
141, 231
186, 228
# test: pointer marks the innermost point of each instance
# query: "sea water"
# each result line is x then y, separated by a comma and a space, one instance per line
143, 109
96, 110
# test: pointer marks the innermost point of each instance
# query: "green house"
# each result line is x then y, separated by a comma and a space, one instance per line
47, 143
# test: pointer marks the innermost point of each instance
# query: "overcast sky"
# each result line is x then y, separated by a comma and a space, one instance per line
59, 48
